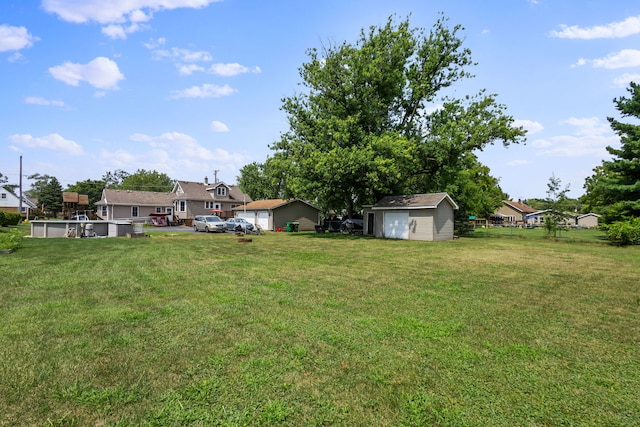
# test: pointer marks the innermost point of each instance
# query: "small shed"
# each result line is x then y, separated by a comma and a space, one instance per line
588, 220
411, 217
273, 214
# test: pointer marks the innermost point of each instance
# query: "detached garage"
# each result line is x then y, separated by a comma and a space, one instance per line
272, 214
411, 217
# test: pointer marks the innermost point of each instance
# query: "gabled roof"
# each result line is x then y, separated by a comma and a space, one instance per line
588, 214
270, 204
414, 201
25, 200
135, 198
198, 191
519, 206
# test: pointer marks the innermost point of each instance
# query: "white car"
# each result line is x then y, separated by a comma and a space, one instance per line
81, 217
208, 223
239, 224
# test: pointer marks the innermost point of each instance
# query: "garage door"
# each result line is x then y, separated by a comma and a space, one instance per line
263, 219
396, 225
248, 216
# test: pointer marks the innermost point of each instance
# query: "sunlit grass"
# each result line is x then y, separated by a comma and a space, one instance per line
305, 329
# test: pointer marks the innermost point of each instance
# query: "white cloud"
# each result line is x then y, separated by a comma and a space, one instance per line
531, 126
228, 70
207, 90
53, 142
188, 69
626, 28
36, 100
15, 38
589, 137
100, 72
626, 58
126, 14
623, 80
217, 126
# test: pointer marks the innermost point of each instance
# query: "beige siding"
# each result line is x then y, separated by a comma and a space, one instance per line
589, 221
443, 222
421, 224
306, 216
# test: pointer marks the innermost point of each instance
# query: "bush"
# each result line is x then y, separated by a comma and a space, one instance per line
624, 233
9, 218
10, 239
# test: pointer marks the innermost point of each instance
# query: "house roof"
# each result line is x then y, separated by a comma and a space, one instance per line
270, 204
27, 201
198, 191
519, 206
588, 214
133, 197
414, 201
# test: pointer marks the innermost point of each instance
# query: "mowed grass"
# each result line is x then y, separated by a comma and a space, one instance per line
300, 329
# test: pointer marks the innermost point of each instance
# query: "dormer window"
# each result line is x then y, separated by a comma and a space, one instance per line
221, 191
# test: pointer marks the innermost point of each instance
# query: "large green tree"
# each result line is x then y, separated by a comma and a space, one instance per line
48, 192
141, 180
374, 120
614, 188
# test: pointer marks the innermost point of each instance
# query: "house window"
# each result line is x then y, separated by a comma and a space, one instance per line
134, 211
104, 211
4, 195
158, 210
209, 205
182, 206
221, 191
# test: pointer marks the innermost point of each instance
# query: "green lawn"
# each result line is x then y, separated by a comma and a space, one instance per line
300, 329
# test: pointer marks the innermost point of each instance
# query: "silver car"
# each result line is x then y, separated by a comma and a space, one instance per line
239, 224
208, 223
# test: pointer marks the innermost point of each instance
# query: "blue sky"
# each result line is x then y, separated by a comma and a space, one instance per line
189, 87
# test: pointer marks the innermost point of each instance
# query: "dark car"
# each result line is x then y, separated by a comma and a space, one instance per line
352, 226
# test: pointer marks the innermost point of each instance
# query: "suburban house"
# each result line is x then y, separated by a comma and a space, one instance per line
9, 202
511, 213
131, 204
273, 214
588, 220
413, 217
199, 198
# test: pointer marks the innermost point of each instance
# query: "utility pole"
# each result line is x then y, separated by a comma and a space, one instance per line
20, 203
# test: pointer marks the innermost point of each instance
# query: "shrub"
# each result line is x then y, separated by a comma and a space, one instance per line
10, 239
624, 233
9, 218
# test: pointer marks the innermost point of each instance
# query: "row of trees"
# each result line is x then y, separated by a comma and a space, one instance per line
47, 190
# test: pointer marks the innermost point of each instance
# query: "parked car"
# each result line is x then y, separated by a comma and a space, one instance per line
209, 223
80, 217
239, 224
352, 226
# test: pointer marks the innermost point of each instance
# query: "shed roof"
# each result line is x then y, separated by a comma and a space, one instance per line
414, 201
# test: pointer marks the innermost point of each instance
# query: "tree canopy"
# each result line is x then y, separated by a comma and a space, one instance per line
374, 120
48, 192
141, 180
614, 188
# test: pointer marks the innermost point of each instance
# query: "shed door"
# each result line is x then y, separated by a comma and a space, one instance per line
263, 220
396, 225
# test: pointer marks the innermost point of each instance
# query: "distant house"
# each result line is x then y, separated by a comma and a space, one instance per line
131, 204
199, 198
413, 217
9, 202
588, 220
511, 213
272, 214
